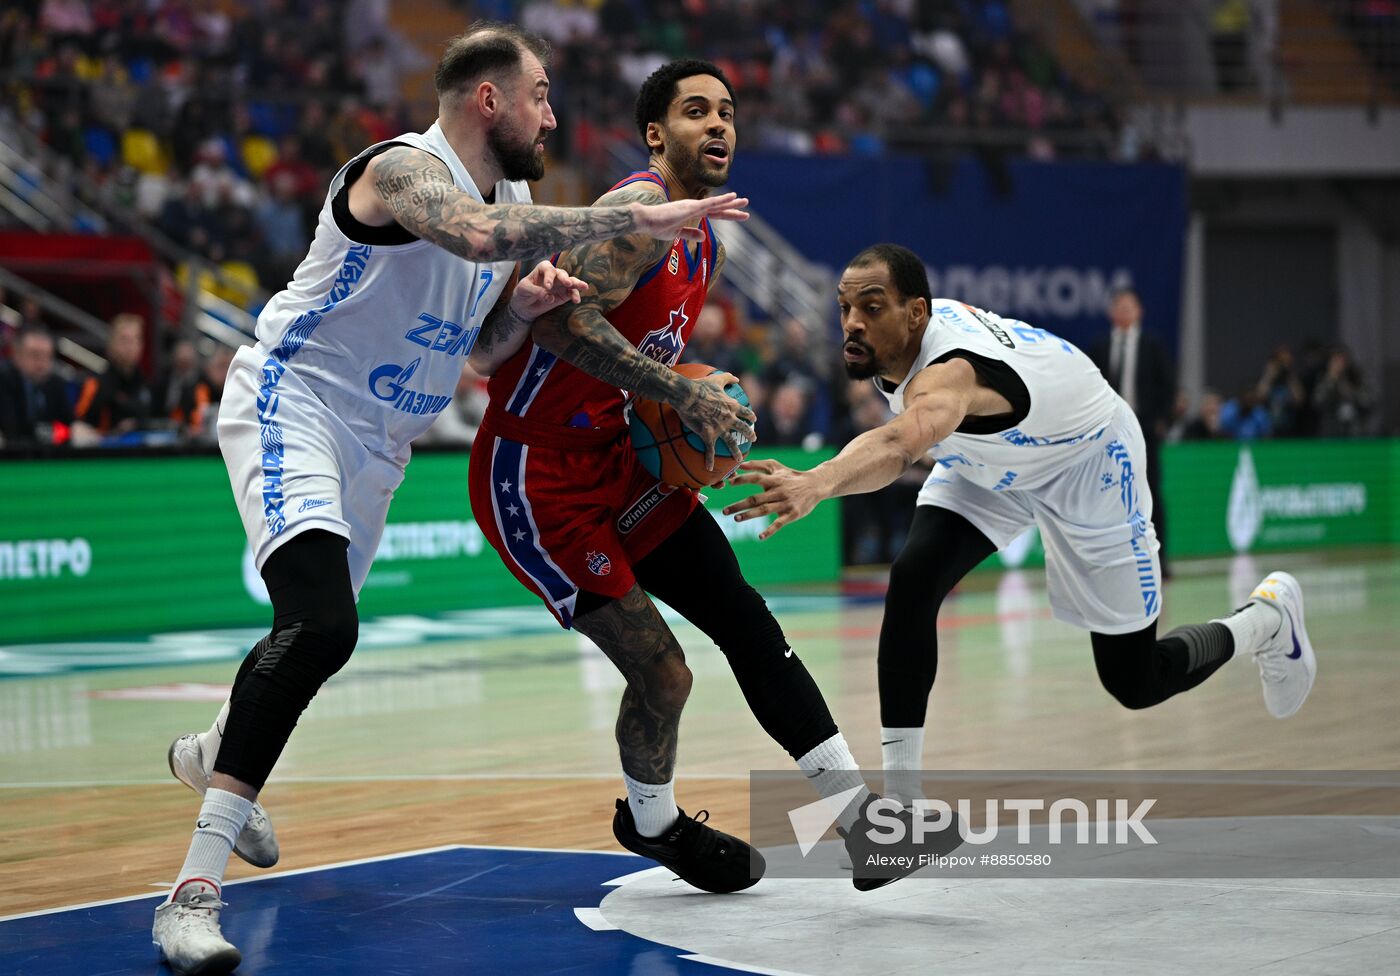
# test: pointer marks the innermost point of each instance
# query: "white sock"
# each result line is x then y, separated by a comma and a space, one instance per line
832, 770
221, 816
653, 805
1252, 625
210, 741
903, 752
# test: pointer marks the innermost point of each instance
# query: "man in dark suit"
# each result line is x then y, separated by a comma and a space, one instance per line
32, 398
1137, 365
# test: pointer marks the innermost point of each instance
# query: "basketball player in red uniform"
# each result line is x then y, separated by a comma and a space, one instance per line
560, 494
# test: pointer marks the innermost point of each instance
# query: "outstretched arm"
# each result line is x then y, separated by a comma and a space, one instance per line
414, 189
935, 404
581, 334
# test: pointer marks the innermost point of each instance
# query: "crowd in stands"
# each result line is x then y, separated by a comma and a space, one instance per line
834, 76
219, 123
44, 403
222, 123
1321, 392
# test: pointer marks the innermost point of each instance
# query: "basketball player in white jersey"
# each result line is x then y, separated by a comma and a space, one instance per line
412, 273
1025, 431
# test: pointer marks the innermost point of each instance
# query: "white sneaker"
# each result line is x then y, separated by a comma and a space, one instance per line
256, 843
187, 932
1287, 666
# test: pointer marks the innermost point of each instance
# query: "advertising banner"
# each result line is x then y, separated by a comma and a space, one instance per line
1226, 497
1046, 244
110, 546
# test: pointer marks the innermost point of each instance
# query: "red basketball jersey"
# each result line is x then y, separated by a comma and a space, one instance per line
657, 318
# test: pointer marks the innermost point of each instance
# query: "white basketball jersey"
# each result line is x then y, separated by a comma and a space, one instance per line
1071, 402
379, 333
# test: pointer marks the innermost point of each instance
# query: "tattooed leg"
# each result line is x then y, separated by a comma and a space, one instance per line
632, 634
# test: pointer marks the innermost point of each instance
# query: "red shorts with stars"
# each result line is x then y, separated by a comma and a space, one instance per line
569, 510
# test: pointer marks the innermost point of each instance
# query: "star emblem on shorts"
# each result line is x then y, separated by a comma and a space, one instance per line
518, 535
512, 510
506, 485
542, 371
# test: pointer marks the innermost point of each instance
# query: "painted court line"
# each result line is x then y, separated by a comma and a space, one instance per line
361, 778
311, 870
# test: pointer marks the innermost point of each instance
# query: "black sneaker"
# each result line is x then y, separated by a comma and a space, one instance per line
699, 855
874, 865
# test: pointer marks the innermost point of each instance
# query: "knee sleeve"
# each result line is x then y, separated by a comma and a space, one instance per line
315, 628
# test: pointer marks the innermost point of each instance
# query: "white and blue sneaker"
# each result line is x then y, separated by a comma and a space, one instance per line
1287, 666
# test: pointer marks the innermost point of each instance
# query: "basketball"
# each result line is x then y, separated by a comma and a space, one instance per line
670, 450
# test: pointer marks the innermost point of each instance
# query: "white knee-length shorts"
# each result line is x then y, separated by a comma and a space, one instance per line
294, 466
1095, 520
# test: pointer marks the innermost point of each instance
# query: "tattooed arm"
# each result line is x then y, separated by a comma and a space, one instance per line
581, 334
414, 189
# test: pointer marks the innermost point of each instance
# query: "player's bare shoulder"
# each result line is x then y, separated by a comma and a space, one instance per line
402, 184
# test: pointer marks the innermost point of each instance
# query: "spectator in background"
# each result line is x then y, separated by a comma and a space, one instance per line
1205, 426
282, 229
34, 407
794, 356
1245, 418
1138, 368
175, 390
214, 179
119, 401
208, 394
710, 345
1281, 391
785, 420
1342, 398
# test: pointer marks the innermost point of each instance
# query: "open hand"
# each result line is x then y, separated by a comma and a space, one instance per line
667, 221
787, 493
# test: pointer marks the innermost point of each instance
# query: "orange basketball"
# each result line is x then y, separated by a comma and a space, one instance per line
670, 450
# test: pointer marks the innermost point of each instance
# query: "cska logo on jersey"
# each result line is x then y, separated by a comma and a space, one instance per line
598, 563
665, 344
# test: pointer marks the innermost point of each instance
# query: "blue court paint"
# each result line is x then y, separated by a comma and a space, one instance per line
477, 910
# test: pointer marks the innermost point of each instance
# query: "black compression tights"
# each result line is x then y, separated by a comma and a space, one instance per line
942, 548
696, 573
1137, 669
314, 631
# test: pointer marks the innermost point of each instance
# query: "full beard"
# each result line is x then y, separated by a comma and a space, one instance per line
690, 162
517, 158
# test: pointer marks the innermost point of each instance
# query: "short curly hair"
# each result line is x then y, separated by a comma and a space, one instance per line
907, 271
658, 90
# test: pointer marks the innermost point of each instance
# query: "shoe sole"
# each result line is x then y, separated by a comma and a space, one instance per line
754, 857
257, 863
1300, 630
219, 964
